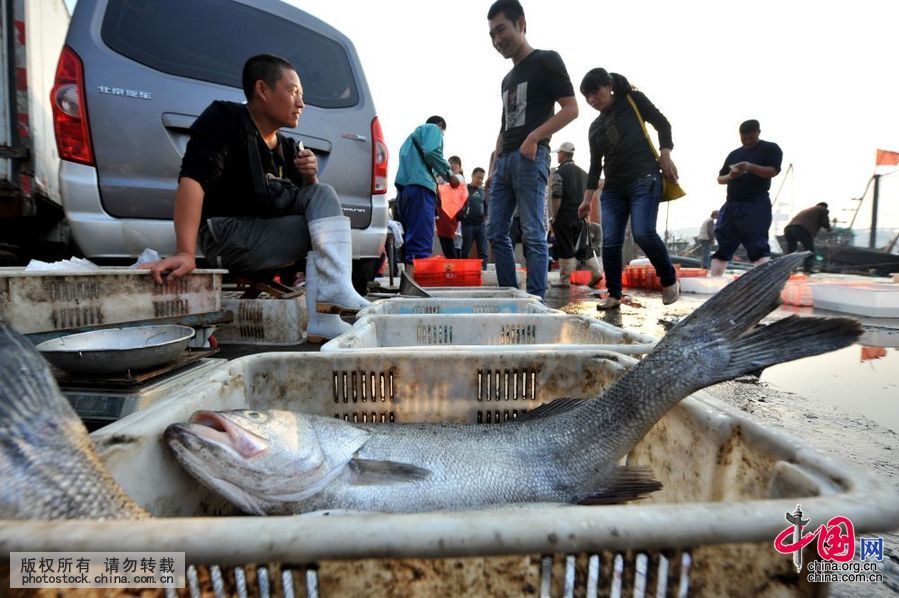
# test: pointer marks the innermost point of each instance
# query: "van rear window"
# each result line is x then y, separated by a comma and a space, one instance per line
210, 40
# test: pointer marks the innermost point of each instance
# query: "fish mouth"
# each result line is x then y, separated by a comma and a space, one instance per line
214, 428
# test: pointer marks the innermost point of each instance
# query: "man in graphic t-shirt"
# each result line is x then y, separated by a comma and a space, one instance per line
538, 80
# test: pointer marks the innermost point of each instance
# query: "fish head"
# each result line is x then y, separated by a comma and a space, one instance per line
252, 458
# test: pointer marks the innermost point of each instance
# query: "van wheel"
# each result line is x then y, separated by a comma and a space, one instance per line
364, 271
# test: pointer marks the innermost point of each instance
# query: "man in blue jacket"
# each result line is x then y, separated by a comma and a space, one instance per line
421, 161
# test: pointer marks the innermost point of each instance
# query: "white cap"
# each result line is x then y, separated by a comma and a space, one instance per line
566, 146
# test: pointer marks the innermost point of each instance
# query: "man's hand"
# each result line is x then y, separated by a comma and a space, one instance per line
739, 168
528, 148
174, 266
307, 165
583, 210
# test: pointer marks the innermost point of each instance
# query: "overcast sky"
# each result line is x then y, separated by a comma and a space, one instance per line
820, 79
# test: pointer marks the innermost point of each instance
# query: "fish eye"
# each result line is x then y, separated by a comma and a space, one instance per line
254, 415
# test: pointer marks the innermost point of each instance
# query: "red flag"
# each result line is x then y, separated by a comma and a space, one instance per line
887, 158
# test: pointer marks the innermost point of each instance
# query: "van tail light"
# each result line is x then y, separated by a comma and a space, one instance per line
73, 139
378, 159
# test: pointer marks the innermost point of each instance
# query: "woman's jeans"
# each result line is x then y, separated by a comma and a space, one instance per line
639, 202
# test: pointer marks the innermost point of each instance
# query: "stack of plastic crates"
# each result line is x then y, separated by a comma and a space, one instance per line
442, 272
726, 483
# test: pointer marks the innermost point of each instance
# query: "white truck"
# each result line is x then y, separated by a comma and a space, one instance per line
32, 222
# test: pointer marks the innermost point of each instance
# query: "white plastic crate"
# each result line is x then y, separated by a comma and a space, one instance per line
548, 332
263, 321
45, 301
727, 481
479, 293
455, 305
875, 299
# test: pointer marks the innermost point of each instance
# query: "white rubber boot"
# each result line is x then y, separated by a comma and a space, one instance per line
566, 267
332, 241
718, 267
321, 327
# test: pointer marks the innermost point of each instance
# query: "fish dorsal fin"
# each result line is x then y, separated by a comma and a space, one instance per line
552, 408
368, 472
625, 484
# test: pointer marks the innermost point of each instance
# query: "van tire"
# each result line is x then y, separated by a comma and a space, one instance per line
364, 271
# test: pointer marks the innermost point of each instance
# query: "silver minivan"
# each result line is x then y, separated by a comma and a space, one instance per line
135, 74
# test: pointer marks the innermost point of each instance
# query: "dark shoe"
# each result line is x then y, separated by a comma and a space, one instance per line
608, 303
671, 293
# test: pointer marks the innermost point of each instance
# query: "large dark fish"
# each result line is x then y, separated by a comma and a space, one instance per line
276, 462
49, 468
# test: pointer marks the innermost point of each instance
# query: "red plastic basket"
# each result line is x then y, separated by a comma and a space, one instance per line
580, 277
442, 272
643, 277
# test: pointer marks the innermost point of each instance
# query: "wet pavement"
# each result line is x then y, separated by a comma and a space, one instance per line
863, 378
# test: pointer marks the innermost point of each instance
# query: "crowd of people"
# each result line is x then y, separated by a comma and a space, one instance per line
540, 207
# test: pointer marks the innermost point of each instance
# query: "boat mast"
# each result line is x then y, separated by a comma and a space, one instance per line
872, 238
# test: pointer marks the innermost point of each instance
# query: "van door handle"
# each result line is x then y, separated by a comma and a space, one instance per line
173, 120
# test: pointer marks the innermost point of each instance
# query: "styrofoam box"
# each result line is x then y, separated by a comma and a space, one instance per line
486, 332
727, 481
263, 321
45, 301
877, 300
449, 305
704, 286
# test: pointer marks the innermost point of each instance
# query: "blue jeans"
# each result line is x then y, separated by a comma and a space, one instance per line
706, 253
639, 202
521, 182
475, 234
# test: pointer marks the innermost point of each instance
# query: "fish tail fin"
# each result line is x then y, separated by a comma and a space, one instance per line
726, 328
27, 387
792, 338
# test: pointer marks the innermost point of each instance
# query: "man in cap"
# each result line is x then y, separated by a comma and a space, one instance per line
567, 183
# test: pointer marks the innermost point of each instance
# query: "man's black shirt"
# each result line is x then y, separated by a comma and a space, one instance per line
217, 157
747, 186
530, 91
